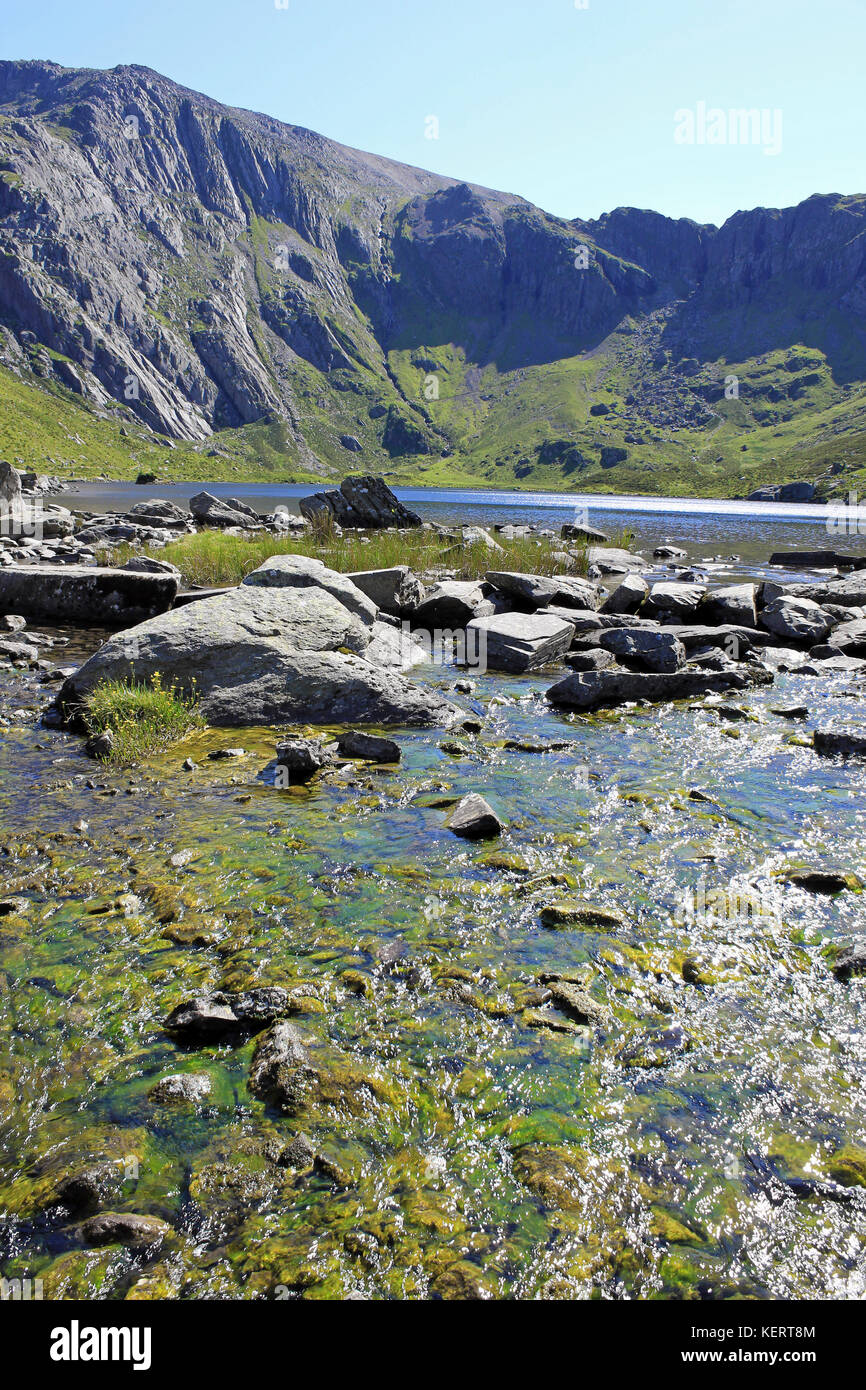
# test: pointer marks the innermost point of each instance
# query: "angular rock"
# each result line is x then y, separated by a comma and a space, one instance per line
371, 747
595, 689
10, 486
628, 596
396, 590
606, 559
849, 592
145, 564
219, 1013
681, 600
571, 531
817, 560
364, 502
302, 758
452, 603
473, 819
839, 743
303, 572
212, 511
589, 659
733, 604
794, 618
519, 641
85, 594
539, 591
653, 650
155, 511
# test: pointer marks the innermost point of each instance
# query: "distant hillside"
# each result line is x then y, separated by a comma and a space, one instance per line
206, 292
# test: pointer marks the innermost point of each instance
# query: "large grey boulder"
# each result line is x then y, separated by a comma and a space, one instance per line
595, 689
452, 603
397, 591
797, 619
85, 594
10, 486
155, 511
264, 656
653, 649
213, 511
628, 596
677, 600
303, 572
539, 591
783, 492
733, 604
519, 641
365, 502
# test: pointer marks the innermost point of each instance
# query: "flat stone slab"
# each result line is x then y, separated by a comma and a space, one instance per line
848, 593
595, 689
86, 594
519, 641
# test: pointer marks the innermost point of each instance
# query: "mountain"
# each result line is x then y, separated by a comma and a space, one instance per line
210, 292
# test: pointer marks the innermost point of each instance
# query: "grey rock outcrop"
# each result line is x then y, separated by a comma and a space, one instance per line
364, 502
264, 656
303, 572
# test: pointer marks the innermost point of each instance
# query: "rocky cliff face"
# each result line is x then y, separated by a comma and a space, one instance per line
206, 267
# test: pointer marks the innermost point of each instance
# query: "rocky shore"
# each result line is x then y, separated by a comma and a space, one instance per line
330, 994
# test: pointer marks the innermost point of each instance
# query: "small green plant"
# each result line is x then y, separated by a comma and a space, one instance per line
139, 719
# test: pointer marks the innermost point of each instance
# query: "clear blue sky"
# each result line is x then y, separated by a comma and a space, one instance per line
572, 108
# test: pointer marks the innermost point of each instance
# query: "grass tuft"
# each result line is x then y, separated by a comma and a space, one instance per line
142, 719
211, 559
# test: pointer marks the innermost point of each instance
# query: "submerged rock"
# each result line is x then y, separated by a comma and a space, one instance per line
216, 1014
181, 1088
577, 912
595, 689
123, 1228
